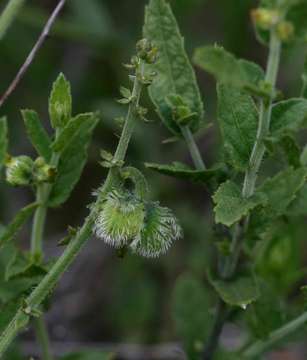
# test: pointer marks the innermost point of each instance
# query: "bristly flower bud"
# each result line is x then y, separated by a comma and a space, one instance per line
146, 51
43, 173
265, 18
19, 170
160, 230
120, 219
285, 31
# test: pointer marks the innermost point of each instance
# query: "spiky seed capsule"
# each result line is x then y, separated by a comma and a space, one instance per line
160, 230
19, 170
120, 219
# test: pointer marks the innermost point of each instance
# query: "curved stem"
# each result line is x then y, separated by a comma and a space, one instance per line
259, 347
43, 338
194, 151
250, 179
8, 15
21, 318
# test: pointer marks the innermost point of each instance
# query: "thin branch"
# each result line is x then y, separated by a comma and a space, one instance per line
33, 52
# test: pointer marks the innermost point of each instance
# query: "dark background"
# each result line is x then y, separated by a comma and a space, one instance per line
103, 298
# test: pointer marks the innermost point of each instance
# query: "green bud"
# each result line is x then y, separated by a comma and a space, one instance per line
43, 173
265, 18
120, 219
146, 51
285, 31
19, 170
160, 230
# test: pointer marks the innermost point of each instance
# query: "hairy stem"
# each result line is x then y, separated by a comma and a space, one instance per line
194, 151
249, 183
8, 15
259, 347
51, 279
43, 338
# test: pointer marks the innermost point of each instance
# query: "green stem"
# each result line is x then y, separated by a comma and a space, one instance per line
194, 151
249, 184
259, 347
50, 280
9, 13
43, 338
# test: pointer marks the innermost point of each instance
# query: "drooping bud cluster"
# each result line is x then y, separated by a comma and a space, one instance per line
126, 221
23, 171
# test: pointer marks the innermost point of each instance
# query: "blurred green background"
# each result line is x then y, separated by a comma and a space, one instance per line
103, 298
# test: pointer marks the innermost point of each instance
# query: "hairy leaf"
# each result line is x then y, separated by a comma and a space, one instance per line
175, 73
192, 326
3, 140
60, 102
14, 227
288, 145
37, 134
240, 291
288, 116
299, 206
227, 69
72, 162
281, 190
71, 130
238, 119
230, 206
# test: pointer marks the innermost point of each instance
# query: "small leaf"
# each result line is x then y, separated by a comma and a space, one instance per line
281, 190
191, 313
72, 162
175, 73
71, 130
60, 102
227, 69
240, 291
126, 93
14, 227
288, 116
37, 134
231, 206
298, 207
3, 140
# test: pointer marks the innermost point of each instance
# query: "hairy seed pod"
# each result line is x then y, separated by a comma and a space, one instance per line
19, 170
160, 230
120, 219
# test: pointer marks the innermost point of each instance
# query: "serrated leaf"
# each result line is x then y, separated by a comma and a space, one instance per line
288, 145
14, 227
60, 102
238, 121
175, 74
181, 171
230, 206
72, 162
37, 134
191, 313
288, 116
89, 355
240, 291
71, 130
227, 69
3, 139
298, 206
281, 190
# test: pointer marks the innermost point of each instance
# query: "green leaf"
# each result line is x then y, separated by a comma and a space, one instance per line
3, 139
181, 171
17, 223
230, 206
227, 69
60, 102
175, 73
37, 134
304, 79
71, 130
240, 291
191, 313
298, 207
72, 162
303, 157
289, 147
89, 355
238, 120
288, 116
281, 190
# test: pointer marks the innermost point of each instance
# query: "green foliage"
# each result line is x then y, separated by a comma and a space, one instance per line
88, 355
175, 74
3, 140
238, 118
192, 326
230, 206
37, 134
